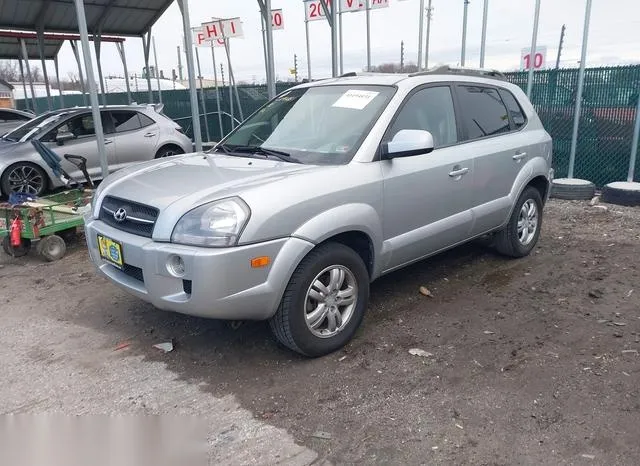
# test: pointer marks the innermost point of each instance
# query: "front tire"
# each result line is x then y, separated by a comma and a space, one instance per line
521, 234
324, 302
24, 177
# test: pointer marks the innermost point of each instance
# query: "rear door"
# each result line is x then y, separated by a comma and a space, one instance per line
500, 150
84, 143
136, 137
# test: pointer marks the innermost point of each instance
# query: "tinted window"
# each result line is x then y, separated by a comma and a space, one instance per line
483, 112
145, 120
80, 126
517, 115
431, 110
126, 121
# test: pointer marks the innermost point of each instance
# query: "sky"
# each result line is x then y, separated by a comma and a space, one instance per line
614, 36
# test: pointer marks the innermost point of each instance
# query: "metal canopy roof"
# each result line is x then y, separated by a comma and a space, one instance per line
115, 17
10, 48
10, 44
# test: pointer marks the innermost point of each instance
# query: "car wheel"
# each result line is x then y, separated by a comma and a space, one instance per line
521, 234
52, 248
168, 151
16, 251
324, 302
24, 178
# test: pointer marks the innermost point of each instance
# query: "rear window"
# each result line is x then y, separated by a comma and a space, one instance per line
517, 115
483, 111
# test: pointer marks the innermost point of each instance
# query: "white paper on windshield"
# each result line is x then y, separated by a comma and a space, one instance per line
355, 99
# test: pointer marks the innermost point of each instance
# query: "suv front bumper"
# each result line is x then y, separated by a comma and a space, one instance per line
217, 283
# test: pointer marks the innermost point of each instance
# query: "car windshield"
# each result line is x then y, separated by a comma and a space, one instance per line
315, 125
33, 127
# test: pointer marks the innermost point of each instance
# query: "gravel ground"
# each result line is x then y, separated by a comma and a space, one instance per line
533, 361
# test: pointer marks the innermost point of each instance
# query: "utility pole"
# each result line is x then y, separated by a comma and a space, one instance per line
464, 33
402, 56
426, 50
564, 27
179, 63
532, 52
295, 67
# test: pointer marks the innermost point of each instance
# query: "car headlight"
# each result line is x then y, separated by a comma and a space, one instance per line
217, 224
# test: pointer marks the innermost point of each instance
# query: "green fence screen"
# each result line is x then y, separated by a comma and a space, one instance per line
606, 125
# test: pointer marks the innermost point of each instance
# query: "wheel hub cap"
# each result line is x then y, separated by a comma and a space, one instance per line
528, 222
331, 301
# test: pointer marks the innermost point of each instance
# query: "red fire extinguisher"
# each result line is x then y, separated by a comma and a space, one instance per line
16, 232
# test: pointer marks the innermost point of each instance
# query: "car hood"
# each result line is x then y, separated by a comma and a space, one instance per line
179, 184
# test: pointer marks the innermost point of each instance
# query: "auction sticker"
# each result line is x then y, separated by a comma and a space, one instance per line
355, 99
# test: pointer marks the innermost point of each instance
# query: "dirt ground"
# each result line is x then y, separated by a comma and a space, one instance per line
532, 361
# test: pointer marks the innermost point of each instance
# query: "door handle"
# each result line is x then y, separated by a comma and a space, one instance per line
519, 156
458, 172
150, 135
107, 141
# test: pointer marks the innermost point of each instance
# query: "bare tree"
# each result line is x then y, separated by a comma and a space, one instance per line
9, 71
395, 68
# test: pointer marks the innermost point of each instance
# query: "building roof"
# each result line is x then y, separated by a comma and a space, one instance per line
6, 84
113, 17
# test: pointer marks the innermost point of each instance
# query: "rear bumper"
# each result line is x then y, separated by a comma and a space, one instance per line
218, 283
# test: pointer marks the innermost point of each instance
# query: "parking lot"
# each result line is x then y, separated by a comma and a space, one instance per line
533, 361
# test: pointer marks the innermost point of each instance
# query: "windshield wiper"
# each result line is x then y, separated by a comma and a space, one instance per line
258, 150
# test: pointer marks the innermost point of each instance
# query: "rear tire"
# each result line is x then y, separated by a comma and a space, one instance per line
521, 234
16, 251
324, 302
52, 248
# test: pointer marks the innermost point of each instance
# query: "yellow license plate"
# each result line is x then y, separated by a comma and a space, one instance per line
111, 251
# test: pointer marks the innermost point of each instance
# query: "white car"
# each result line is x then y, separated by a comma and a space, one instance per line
133, 133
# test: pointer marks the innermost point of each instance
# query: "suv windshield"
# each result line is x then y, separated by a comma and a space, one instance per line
33, 127
315, 125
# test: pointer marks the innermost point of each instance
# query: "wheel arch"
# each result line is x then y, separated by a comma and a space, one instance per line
168, 145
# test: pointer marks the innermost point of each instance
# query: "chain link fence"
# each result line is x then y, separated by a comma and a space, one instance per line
604, 138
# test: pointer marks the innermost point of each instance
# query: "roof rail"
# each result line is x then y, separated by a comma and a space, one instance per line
446, 69
350, 74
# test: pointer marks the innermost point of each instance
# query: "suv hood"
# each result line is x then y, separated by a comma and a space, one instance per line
179, 184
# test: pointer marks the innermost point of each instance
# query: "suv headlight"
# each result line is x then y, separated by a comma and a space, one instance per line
216, 224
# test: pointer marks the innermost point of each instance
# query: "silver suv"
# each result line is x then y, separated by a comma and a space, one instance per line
324, 189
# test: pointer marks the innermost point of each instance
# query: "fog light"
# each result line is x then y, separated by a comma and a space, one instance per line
175, 266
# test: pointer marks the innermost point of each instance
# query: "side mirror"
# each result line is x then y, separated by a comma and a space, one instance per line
64, 136
407, 143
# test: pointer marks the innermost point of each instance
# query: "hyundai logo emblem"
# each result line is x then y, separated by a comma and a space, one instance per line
120, 215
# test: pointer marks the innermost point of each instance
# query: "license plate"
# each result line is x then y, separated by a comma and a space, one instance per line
110, 250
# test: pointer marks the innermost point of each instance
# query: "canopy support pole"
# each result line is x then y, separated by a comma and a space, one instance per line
55, 64
146, 45
40, 35
24, 86
74, 47
93, 93
123, 57
25, 57
188, 38
97, 42
215, 79
157, 71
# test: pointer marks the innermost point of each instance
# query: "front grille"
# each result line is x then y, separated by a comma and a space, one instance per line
133, 272
139, 220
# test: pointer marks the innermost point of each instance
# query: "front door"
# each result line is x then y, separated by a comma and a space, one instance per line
84, 143
427, 198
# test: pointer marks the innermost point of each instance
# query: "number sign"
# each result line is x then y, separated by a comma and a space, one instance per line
537, 61
276, 19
